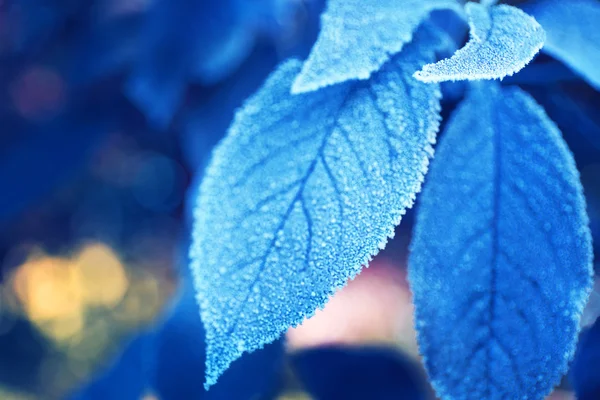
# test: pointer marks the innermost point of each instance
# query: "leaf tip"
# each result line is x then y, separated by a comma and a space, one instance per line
423, 76
300, 86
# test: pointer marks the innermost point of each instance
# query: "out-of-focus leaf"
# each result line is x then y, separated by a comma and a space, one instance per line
126, 378
574, 108
453, 24
501, 258
180, 352
171, 36
105, 48
207, 120
572, 33
585, 374
189, 41
357, 38
180, 360
32, 23
169, 361
233, 48
347, 373
542, 74
503, 40
23, 349
303, 191
574, 116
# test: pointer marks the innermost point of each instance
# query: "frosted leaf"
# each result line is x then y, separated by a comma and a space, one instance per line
358, 37
501, 259
503, 40
302, 192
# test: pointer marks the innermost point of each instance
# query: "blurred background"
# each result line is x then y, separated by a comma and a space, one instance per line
108, 112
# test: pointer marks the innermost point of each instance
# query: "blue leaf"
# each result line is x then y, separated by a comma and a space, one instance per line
303, 191
452, 24
207, 121
180, 359
169, 361
542, 74
227, 55
573, 35
574, 115
503, 40
159, 78
585, 374
358, 37
501, 258
186, 40
106, 47
254, 376
359, 373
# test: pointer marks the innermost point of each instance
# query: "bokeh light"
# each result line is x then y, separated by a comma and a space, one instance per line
38, 93
84, 303
51, 295
101, 275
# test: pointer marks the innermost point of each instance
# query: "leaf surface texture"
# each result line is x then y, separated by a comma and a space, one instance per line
503, 40
501, 258
302, 192
358, 37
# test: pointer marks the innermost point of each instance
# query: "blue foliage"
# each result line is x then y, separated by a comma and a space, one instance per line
572, 33
253, 376
169, 361
574, 108
503, 40
585, 374
573, 116
180, 347
453, 24
357, 38
34, 22
319, 167
303, 191
501, 257
542, 73
180, 361
359, 373
173, 32
207, 122
107, 46
188, 40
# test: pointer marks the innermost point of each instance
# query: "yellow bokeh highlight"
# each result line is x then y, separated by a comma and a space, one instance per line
295, 396
84, 303
8, 394
101, 275
55, 292
64, 328
144, 301
48, 290
91, 343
